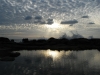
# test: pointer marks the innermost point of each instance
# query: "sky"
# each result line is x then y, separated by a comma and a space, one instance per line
49, 18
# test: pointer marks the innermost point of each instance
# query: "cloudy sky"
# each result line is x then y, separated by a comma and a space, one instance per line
49, 18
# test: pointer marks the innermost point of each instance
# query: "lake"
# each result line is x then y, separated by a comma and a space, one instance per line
53, 62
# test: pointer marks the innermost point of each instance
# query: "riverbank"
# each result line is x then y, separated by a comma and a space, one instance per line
51, 43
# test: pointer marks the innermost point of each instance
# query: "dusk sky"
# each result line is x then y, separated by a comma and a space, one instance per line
49, 18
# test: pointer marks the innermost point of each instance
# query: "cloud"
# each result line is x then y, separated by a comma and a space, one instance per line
85, 16
69, 22
91, 23
74, 35
38, 17
39, 22
42, 22
49, 21
28, 18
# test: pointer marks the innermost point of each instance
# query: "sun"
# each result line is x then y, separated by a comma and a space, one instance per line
53, 26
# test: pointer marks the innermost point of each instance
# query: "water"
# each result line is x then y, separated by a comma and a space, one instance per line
48, 62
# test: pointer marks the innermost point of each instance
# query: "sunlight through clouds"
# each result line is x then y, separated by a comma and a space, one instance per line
49, 16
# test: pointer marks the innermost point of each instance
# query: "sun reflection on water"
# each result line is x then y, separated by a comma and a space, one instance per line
56, 54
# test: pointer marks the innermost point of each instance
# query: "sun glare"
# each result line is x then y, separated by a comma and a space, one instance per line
54, 54
54, 26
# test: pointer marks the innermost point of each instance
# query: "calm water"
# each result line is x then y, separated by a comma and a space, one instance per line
48, 62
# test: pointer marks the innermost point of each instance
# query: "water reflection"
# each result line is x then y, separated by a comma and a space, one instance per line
48, 62
6, 55
53, 54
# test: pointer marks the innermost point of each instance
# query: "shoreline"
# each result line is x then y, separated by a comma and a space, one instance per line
59, 48
52, 43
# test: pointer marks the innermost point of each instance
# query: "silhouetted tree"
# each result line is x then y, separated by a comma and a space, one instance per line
95, 41
25, 40
4, 40
52, 41
41, 42
12, 40
63, 41
52, 38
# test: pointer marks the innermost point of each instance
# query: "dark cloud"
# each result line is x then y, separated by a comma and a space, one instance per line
85, 16
38, 17
39, 22
42, 22
28, 18
91, 23
49, 21
69, 22
36, 22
